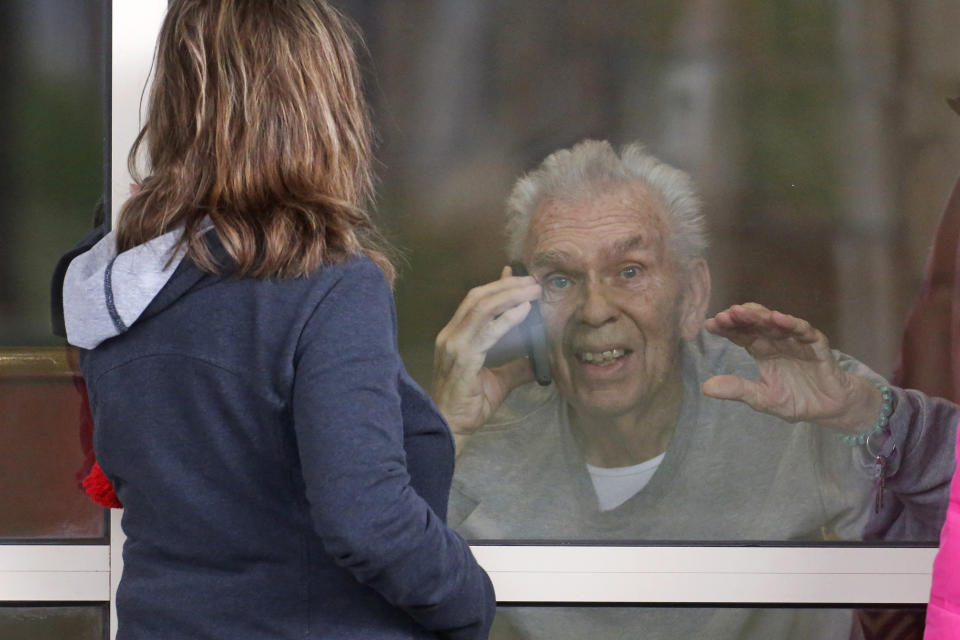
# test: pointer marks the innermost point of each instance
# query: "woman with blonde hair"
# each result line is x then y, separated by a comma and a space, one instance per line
282, 475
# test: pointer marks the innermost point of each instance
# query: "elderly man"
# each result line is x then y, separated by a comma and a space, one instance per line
637, 437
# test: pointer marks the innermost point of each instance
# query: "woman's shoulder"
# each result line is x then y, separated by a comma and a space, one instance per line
356, 280
357, 270
350, 295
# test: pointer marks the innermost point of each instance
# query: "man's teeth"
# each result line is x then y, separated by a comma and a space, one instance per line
603, 357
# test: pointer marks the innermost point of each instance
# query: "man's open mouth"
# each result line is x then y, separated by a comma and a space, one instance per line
601, 358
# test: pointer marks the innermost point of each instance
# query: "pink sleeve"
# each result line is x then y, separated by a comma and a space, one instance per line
943, 612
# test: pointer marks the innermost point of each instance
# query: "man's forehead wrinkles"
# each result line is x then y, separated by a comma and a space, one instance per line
617, 246
551, 258
641, 221
564, 234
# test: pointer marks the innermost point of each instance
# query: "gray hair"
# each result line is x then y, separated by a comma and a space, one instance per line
590, 166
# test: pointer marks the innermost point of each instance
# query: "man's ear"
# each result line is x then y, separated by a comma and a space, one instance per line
696, 298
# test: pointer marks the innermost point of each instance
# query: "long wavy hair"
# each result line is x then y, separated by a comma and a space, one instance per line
257, 121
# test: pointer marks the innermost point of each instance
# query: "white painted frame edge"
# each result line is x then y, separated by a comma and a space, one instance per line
571, 575
55, 573
135, 25
720, 575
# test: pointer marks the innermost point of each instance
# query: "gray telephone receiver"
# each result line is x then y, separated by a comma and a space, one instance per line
534, 338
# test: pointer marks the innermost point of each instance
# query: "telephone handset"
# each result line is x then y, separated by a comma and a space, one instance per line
534, 338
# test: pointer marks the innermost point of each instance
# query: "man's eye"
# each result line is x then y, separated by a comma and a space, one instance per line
557, 283
631, 271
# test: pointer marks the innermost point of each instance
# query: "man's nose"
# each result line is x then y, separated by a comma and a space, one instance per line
596, 306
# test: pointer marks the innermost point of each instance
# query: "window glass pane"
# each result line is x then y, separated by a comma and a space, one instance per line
821, 144
667, 623
45, 434
51, 166
51, 177
53, 622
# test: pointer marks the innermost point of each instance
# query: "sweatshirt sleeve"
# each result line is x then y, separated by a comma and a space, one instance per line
349, 428
919, 465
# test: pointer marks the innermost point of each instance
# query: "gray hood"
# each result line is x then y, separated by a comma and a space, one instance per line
104, 293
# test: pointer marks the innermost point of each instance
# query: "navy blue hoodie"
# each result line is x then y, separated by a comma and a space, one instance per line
281, 473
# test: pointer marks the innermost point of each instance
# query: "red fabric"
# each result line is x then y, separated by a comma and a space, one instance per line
100, 490
94, 483
943, 611
930, 355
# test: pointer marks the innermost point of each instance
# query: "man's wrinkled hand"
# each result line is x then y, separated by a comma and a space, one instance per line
800, 377
467, 392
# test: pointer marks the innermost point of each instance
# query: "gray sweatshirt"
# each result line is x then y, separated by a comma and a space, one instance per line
729, 474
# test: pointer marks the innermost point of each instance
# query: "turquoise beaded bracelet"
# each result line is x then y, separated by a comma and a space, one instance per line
886, 408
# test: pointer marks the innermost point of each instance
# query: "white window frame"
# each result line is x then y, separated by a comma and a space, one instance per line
566, 574
754, 575
563, 574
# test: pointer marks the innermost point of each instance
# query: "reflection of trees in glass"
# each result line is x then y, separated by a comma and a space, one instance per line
762, 101
755, 98
775, 241
50, 175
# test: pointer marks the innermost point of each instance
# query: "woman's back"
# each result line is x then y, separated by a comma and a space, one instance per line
258, 432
